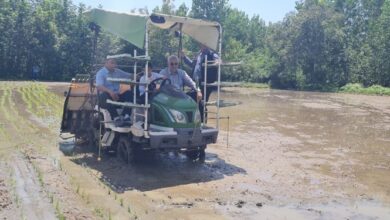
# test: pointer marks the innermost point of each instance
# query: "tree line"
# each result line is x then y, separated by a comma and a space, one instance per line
322, 45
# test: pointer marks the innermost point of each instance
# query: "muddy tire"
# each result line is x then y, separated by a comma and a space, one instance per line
125, 150
197, 155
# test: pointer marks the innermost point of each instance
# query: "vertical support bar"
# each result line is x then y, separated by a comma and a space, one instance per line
205, 90
147, 81
179, 52
228, 131
219, 74
134, 110
100, 138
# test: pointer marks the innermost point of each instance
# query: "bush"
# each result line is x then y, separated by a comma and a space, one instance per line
360, 89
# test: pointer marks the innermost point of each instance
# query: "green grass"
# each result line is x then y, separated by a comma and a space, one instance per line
360, 89
255, 85
5, 102
8, 110
59, 213
99, 212
245, 85
41, 102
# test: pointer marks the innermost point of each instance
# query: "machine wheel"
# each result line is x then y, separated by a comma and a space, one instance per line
125, 150
197, 155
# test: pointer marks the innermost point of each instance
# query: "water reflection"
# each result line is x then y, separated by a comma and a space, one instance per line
344, 137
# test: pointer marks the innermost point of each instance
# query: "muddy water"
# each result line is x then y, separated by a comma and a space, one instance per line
288, 155
307, 149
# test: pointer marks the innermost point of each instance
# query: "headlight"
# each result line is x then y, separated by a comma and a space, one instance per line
178, 116
197, 117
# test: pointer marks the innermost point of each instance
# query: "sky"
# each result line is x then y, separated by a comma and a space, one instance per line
270, 11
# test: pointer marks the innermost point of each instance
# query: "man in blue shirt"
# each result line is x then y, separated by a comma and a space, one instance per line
111, 90
179, 78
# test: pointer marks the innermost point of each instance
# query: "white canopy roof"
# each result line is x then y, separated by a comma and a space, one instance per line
205, 32
131, 27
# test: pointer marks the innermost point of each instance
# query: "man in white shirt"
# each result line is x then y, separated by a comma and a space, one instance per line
151, 76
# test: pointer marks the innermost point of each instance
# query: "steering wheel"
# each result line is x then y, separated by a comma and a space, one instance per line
153, 84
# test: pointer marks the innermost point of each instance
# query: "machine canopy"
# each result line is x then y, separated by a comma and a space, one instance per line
132, 27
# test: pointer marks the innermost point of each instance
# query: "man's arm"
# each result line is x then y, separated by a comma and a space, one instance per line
158, 75
101, 88
123, 74
164, 73
216, 56
187, 60
190, 83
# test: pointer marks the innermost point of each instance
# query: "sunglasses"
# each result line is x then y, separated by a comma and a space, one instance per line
174, 64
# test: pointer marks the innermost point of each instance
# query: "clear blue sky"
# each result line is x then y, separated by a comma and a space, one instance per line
270, 11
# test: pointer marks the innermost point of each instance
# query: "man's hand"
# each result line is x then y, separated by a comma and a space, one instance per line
182, 54
198, 96
114, 96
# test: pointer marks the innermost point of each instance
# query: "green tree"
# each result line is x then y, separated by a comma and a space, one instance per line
214, 10
380, 36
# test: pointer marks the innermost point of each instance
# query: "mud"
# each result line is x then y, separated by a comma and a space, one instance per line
284, 155
34, 204
34, 185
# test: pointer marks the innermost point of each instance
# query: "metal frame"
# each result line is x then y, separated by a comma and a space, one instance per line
205, 84
147, 80
204, 91
146, 106
219, 75
134, 105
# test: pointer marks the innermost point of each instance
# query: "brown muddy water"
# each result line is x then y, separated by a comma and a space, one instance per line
328, 154
288, 155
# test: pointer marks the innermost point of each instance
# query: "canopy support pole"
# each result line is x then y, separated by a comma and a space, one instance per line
179, 54
219, 74
147, 80
134, 110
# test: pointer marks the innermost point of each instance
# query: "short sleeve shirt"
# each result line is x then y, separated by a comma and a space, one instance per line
103, 74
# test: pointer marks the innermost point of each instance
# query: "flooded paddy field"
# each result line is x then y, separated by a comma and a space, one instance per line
287, 155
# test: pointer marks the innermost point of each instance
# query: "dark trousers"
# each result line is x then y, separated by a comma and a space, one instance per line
141, 98
209, 90
124, 97
193, 95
